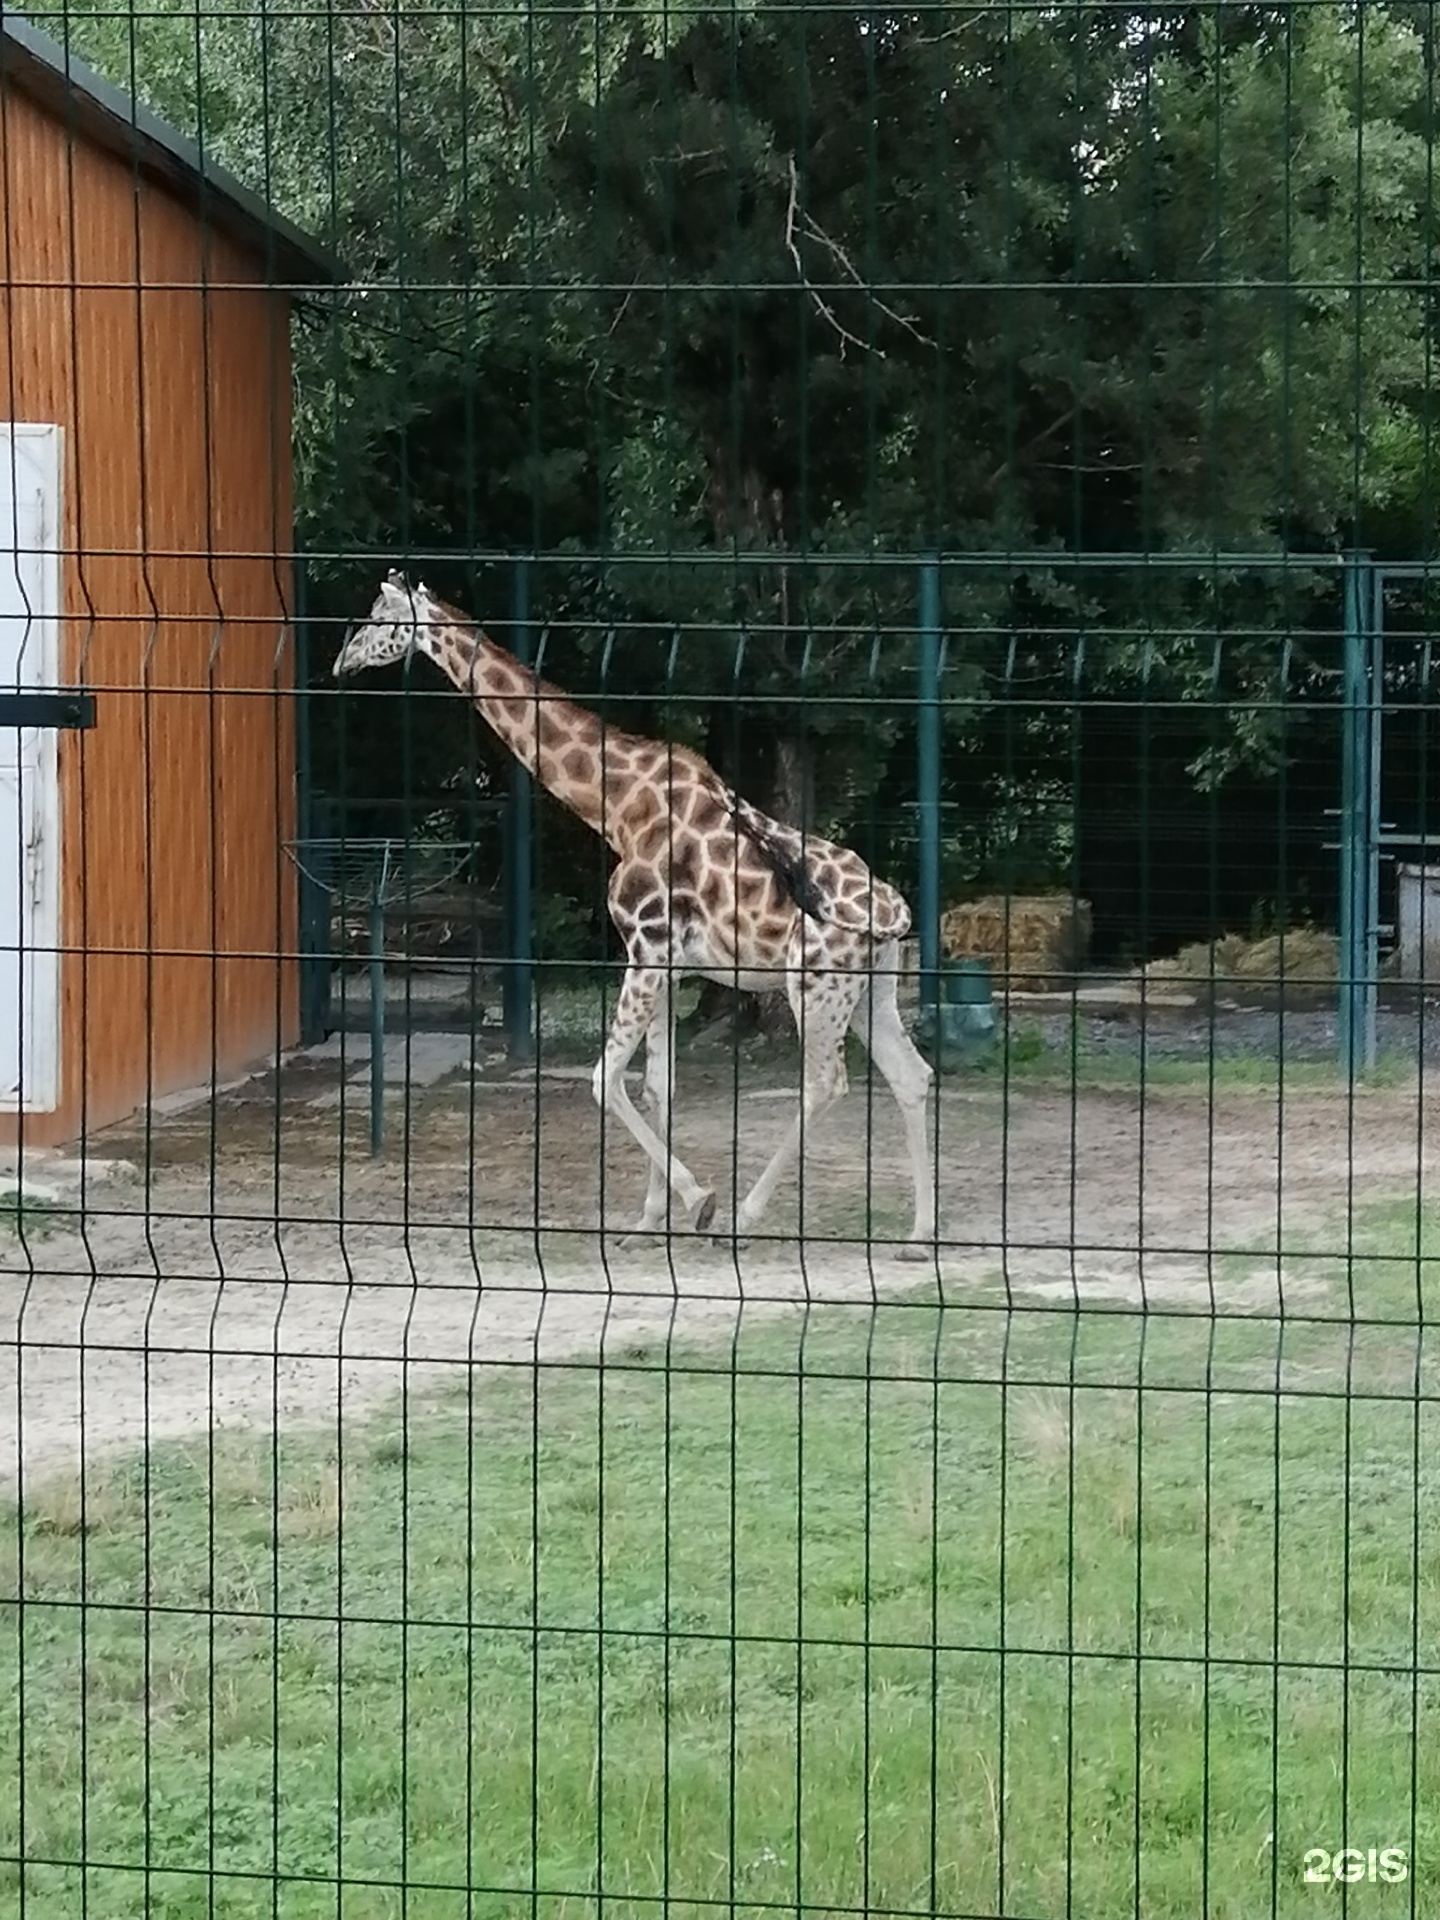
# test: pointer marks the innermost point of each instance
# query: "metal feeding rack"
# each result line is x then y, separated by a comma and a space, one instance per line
376, 874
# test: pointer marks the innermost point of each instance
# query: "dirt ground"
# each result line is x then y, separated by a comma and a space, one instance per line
264, 1269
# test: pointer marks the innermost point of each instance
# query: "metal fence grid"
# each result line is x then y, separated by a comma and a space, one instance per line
524, 519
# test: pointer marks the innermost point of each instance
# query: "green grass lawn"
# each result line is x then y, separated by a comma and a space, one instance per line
1024, 1055
880, 1611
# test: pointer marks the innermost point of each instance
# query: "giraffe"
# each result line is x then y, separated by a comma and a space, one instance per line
704, 884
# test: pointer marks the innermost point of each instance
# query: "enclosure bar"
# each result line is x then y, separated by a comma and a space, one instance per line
1356, 1023
1013, 559
377, 1019
1375, 616
315, 901
65, 708
517, 991
928, 783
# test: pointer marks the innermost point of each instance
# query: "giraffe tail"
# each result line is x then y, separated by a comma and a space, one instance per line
782, 848
785, 860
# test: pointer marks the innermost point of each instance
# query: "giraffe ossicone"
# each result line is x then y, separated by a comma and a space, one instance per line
705, 884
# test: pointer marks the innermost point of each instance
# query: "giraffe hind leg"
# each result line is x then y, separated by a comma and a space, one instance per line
822, 1005
644, 1004
876, 1021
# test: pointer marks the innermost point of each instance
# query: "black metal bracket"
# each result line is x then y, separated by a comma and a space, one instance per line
47, 709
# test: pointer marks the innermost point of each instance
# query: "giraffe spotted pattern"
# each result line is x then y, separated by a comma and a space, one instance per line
704, 884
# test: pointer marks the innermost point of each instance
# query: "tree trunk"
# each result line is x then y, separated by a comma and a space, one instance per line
792, 782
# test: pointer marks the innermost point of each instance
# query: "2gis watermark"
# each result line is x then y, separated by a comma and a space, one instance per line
1350, 1866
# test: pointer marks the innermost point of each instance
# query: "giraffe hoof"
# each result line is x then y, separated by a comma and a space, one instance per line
706, 1213
916, 1250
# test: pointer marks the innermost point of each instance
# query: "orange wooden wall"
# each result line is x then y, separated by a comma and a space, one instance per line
158, 349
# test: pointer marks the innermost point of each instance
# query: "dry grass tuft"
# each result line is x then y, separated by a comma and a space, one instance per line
65, 1508
1303, 958
1034, 942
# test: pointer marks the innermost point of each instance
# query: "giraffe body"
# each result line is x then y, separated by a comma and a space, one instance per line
704, 884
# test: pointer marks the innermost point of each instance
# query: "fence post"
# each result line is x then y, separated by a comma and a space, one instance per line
928, 784
1359, 826
314, 901
519, 903
377, 1018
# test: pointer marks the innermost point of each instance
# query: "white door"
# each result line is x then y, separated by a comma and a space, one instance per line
30, 535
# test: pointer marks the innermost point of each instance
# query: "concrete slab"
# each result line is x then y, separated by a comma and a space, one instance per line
169, 1104
356, 1047
426, 1058
48, 1177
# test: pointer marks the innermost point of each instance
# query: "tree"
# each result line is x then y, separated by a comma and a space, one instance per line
726, 318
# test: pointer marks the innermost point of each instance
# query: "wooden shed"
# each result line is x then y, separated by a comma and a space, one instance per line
147, 905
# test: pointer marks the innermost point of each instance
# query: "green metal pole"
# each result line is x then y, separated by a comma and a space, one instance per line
314, 900
1356, 1023
928, 784
519, 876
1375, 607
377, 1024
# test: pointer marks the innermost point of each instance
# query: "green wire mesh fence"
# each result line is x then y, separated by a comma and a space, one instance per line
717, 960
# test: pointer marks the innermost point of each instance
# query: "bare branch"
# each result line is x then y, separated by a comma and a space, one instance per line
950, 33
620, 310
1036, 440
822, 307
816, 232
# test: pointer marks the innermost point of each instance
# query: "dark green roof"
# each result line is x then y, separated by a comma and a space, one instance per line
51, 75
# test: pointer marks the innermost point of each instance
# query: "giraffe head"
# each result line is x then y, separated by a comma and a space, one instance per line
393, 629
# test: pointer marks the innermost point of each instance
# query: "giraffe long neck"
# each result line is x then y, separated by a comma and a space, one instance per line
557, 741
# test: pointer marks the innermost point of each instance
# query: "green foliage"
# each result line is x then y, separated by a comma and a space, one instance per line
730, 296
562, 930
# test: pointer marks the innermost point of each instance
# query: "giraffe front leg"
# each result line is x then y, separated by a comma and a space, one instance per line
640, 1011
659, 1091
658, 1094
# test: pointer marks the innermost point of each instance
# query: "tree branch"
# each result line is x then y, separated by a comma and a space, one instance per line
822, 307
1036, 440
816, 232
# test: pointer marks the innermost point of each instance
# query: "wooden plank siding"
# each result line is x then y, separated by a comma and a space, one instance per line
157, 347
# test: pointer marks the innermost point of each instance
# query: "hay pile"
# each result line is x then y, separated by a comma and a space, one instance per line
1307, 960
1035, 943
